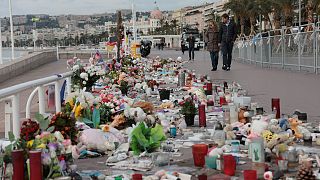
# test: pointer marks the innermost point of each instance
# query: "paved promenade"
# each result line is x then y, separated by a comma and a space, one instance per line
296, 90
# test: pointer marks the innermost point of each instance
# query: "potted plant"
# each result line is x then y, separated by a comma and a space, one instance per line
164, 94
189, 111
124, 87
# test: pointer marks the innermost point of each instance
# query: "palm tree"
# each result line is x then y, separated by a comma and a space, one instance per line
174, 24
265, 8
253, 12
311, 7
286, 6
238, 7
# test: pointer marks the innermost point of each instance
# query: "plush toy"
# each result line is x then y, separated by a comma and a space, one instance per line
118, 120
284, 124
274, 126
268, 135
259, 125
241, 116
146, 106
167, 105
294, 123
229, 132
268, 175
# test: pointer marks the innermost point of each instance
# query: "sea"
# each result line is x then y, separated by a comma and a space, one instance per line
6, 54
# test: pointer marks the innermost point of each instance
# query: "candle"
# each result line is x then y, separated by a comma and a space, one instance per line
18, 164
136, 176
209, 88
275, 105
250, 175
173, 131
202, 116
35, 165
223, 101
199, 151
229, 165
233, 113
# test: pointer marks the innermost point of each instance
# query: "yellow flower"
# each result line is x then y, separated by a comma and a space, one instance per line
30, 143
77, 112
41, 146
71, 103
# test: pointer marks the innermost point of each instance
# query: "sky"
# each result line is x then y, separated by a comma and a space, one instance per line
56, 7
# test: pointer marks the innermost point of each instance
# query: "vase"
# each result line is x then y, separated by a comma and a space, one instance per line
189, 118
164, 94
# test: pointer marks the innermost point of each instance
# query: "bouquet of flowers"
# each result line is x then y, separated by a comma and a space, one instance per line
66, 125
29, 129
86, 76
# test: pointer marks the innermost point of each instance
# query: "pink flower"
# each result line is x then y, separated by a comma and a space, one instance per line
45, 134
66, 142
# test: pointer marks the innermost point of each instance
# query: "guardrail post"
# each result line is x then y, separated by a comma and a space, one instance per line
316, 48
68, 79
16, 115
42, 104
269, 50
57, 96
261, 49
58, 52
299, 51
7, 117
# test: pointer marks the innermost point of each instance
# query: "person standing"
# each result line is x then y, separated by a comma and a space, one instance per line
182, 47
191, 41
212, 40
227, 36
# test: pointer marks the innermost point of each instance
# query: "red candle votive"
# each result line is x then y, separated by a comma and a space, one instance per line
275, 104
35, 165
229, 165
202, 116
250, 175
199, 152
18, 164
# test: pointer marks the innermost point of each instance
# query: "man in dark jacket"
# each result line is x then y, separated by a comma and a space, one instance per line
191, 40
227, 36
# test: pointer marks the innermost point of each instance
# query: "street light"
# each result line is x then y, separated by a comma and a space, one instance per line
11, 30
1, 61
299, 15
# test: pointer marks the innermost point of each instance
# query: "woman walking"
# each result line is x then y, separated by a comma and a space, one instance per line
212, 40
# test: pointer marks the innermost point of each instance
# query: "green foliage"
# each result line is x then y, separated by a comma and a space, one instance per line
146, 139
43, 122
188, 107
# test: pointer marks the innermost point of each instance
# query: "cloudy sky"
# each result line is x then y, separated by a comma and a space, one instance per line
56, 7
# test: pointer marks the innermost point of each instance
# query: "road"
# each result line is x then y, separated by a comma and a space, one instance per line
295, 90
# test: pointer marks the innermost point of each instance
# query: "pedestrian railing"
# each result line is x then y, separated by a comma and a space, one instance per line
283, 48
11, 96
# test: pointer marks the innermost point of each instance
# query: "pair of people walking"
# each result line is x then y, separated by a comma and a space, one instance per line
221, 39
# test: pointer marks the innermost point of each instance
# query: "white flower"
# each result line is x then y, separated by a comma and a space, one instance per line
75, 67
53, 154
112, 111
59, 136
84, 82
84, 75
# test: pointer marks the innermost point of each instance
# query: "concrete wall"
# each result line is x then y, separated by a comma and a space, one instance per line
81, 55
25, 64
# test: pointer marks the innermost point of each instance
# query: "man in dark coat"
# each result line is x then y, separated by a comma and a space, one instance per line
191, 40
212, 40
227, 36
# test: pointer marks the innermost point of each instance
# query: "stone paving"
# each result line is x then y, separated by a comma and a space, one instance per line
296, 90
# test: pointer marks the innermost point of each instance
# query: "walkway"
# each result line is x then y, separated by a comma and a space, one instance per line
296, 90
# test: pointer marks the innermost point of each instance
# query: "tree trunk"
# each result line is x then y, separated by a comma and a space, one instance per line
309, 9
252, 21
242, 26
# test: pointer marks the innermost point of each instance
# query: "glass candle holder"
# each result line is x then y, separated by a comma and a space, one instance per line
199, 151
229, 165
250, 175
35, 165
18, 164
275, 104
202, 116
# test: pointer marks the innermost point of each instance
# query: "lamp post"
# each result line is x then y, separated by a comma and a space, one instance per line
11, 30
299, 15
1, 60
134, 23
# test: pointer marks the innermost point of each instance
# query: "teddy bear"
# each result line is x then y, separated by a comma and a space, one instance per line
294, 123
284, 124
229, 132
268, 135
279, 143
274, 126
241, 116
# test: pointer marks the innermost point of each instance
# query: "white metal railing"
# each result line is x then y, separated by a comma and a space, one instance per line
11, 96
286, 48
